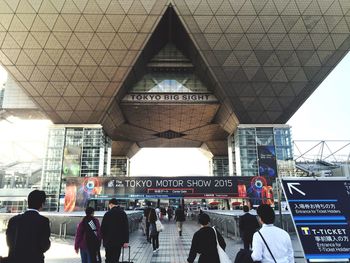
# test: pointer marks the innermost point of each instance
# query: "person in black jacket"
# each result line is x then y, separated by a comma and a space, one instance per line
154, 234
180, 217
28, 234
248, 225
146, 215
204, 243
115, 231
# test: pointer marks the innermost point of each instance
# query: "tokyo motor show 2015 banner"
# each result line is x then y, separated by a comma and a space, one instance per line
79, 190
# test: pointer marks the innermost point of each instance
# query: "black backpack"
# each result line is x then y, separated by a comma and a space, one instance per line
244, 256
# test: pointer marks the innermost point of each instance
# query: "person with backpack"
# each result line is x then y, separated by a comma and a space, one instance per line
88, 238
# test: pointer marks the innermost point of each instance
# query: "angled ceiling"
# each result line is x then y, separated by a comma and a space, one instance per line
262, 58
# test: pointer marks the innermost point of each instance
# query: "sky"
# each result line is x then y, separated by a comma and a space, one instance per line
326, 113
324, 116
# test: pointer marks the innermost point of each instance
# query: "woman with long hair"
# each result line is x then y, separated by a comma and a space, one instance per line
153, 233
88, 238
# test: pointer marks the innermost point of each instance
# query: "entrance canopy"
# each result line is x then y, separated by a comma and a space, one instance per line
77, 60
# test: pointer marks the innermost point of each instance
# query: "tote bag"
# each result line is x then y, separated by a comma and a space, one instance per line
222, 254
159, 226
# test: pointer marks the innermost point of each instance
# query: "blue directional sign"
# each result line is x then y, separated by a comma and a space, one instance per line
321, 213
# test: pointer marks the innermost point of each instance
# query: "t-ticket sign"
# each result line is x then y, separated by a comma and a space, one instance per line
321, 213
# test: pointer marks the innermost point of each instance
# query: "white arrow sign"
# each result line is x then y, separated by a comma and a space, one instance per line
291, 186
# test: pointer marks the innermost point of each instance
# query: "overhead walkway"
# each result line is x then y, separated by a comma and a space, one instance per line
172, 248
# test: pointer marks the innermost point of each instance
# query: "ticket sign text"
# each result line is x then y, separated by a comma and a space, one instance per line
320, 211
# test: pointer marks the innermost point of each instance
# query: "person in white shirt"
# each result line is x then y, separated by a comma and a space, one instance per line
276, 238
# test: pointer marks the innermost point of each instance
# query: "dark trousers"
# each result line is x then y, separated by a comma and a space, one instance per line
113, 254
155, 241
147, 230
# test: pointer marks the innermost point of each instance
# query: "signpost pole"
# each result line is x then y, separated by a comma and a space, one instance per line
278, 185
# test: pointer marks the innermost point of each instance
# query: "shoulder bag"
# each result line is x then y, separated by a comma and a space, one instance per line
222, 254
267, 247
92, 241
159, 226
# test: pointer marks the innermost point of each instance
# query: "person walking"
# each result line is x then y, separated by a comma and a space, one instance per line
88, 238
271, 243
204, 242
146, 214
28, 234
248, 224
115, 231
170, 213
154, 234
179, 218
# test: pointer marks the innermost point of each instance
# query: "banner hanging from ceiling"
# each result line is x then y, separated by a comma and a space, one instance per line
79, 190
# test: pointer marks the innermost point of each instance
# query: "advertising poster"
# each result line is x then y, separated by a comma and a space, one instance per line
321, 214
71, 161
267, 161
79, 190
255, 190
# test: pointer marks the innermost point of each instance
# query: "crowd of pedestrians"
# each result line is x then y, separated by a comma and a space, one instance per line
28, 235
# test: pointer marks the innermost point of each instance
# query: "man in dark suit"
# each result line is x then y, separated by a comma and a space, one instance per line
248, 224
115, 231
28, 234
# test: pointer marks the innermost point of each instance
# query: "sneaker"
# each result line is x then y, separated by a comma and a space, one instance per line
157, 249
154, 251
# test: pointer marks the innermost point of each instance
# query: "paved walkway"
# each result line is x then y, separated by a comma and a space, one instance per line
172, 248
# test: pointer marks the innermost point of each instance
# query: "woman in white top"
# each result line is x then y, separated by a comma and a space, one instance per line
276, 238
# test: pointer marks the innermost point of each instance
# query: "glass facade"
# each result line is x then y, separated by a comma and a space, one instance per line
170, 83
120, 166
265, 150
220, 166
73, 151
169, 72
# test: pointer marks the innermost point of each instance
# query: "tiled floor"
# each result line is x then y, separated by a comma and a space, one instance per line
172, 248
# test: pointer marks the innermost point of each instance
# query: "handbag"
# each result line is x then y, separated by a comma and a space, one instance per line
159, 226
222, 254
